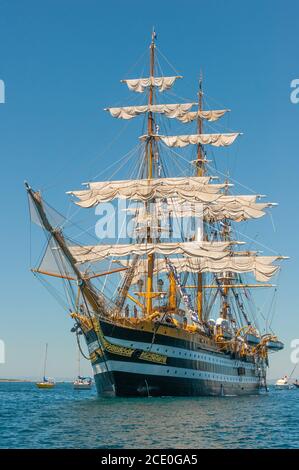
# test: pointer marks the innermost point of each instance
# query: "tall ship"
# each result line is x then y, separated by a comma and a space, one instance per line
168, 308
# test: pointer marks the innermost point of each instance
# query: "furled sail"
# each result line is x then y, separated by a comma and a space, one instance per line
140, 84
169, 110
187, 188
217, 140
261, 266
211, 116
93, 253
237, 208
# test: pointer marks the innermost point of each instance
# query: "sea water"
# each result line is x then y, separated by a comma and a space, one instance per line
67, 418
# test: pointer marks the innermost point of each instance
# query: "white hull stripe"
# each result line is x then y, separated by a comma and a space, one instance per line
181, 353
165, 371
93, 346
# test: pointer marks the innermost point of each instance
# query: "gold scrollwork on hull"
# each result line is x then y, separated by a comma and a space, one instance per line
95, 355
153, 357
128, 352
87, 325
114, 348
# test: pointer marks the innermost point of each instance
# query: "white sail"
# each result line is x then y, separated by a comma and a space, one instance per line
211, 116
217, 140
169, 110
261, 266
93, 253
188, 188
139, 85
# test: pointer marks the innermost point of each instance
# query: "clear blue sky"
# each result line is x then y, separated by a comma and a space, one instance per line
61, 61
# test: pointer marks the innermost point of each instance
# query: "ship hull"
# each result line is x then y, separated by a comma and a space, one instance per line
143, 363
127, 384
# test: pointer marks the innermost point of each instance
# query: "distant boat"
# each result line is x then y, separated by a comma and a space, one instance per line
283, 384
82, 383
46, 382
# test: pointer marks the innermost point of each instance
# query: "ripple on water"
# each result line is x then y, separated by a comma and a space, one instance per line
64, 418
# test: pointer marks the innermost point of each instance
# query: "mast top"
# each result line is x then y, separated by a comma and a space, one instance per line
200, 81
154, 36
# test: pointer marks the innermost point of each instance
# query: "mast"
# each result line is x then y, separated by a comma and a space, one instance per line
200, 171
227, 276
79, 372
45, 361
150, 259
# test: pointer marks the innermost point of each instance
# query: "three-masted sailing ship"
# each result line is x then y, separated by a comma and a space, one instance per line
155, 335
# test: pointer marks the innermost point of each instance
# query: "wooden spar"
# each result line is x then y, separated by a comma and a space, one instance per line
200, 171
69, 278
150, 258
106, 273
60, 276
87, 289
136, 301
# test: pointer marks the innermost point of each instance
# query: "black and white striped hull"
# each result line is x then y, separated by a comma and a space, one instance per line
190, 368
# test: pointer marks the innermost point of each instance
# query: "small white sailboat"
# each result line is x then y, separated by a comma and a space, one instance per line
46, 382
283, 384
82, 383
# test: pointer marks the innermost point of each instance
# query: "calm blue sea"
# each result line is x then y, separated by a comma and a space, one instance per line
65, 418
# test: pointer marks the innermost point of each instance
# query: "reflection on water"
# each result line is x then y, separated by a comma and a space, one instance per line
63, 417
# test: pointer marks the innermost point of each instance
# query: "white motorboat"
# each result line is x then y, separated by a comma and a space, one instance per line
283, 384
82, 383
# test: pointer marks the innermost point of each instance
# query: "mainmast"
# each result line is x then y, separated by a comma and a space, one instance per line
226, 279
200, 171
150, 259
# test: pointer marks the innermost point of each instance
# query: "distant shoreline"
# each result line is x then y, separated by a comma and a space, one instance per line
15, 380
31, 381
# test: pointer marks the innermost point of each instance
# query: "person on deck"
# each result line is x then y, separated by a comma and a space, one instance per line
127, 311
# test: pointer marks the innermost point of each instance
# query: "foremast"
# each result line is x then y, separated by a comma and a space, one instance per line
149, 145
